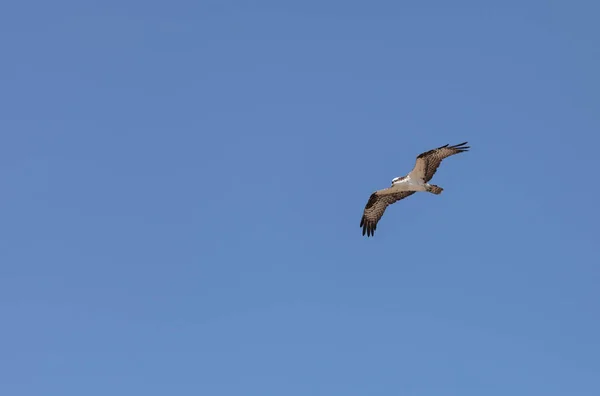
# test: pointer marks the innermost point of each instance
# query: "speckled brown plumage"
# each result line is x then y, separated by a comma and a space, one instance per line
428, 162
375, 207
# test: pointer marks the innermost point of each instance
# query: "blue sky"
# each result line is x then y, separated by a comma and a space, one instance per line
182, 186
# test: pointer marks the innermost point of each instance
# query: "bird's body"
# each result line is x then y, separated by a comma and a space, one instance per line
407, 183
404, 186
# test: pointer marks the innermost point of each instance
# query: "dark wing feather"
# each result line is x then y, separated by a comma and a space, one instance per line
428, 162
375, 207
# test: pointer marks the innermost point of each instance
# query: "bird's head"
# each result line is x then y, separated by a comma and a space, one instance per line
396, 180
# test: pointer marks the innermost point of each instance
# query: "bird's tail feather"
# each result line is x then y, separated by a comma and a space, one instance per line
437, 190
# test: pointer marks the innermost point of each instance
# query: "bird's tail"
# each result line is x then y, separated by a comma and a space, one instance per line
437, 190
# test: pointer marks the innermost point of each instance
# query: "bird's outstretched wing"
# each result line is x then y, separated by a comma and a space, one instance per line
375, 207
428, 162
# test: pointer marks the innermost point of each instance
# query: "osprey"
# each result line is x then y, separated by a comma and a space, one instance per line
405, 186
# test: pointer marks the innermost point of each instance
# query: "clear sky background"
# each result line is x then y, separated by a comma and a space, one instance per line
181, 186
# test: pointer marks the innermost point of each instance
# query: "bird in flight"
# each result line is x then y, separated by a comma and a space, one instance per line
405, 186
